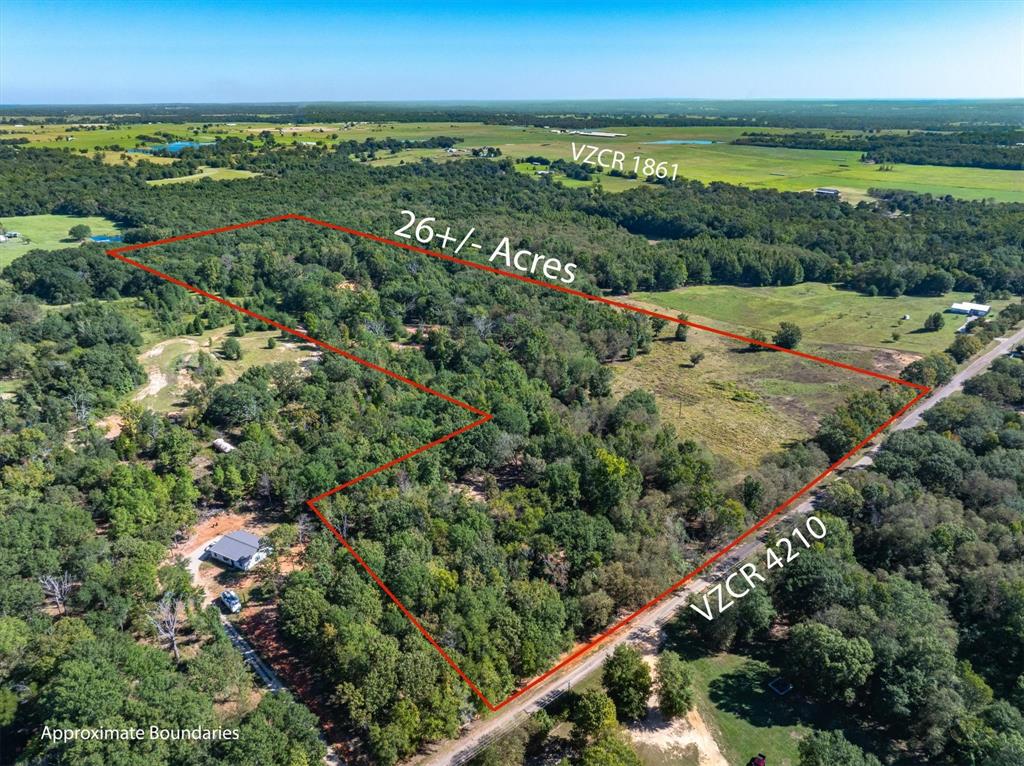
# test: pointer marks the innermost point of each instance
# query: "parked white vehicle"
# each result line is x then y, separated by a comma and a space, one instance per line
231, 601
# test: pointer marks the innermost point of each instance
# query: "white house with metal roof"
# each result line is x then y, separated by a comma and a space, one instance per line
241, 550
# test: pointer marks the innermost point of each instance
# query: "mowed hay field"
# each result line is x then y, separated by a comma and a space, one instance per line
755, 166
744, 406
46, 232
214, 174
826, 314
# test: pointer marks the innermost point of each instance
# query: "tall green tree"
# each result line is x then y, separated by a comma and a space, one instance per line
627, 679
674, 686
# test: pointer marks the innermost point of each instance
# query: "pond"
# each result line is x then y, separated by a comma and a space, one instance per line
174, 147
700, 141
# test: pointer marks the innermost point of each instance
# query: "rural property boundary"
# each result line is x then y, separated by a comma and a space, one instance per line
483, 417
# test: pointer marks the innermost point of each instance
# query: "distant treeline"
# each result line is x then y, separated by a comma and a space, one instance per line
1000, 149
717, 233
844, 115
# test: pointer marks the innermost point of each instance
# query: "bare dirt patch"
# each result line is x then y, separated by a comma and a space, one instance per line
157, 383
679, 737
111, 426
892, 362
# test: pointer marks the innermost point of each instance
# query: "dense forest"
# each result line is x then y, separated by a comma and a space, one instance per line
511, 541
719, 233
1001, 149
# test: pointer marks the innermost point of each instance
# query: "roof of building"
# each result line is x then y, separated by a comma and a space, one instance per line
236, 545
967, 306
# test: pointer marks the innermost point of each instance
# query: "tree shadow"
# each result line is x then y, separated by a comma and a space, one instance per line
744, 692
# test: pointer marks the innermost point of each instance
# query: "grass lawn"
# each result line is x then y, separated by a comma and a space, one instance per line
46, 232
215, 174
744, 715
743, 406
824, 313
755, 166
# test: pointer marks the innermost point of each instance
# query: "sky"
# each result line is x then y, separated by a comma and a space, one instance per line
152, 51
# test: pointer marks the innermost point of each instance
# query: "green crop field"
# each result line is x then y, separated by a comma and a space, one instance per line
755, 166
46, 232
825, 313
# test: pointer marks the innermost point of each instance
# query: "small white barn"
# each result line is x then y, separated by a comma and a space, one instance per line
971, 309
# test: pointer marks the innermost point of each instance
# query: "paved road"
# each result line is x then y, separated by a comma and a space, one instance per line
648, 625
1002, 347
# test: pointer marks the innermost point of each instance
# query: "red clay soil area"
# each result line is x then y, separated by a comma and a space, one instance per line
260, 627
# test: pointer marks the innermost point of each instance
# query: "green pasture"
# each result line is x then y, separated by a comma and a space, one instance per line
214, 174
754, 166
744, 406
46, 232
826, 314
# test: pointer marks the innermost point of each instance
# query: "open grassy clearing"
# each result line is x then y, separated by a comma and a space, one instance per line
126, 136
608, 183
131, 158
756, 166
214, 174
744, 406
745, 716
825, 313
46, 232
164, 362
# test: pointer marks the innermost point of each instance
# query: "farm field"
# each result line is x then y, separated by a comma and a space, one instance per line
46, 232
214, 174
754, 166
744, 406
825, 313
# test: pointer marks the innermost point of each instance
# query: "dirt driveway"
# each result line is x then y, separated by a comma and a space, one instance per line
213, 578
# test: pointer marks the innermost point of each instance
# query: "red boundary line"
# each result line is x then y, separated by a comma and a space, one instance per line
484, 417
